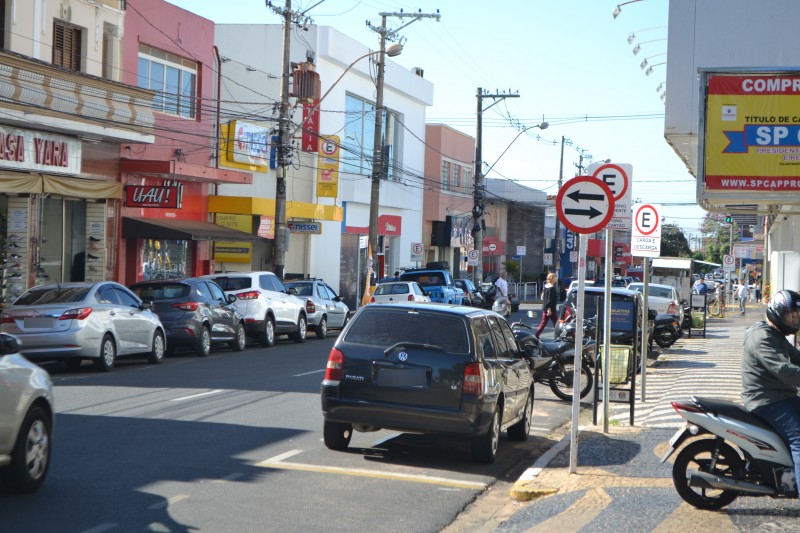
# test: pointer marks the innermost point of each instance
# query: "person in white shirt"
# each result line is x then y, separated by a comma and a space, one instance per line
742, 294
502, 286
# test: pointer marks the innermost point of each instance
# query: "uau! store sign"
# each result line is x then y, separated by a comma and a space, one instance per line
151, 196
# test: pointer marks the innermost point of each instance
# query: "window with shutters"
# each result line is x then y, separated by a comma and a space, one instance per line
66, 45
172, 77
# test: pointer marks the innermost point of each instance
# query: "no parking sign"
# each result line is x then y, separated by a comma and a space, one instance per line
646, 231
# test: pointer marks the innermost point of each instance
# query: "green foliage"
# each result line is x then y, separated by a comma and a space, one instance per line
718, 236
512, 267
674, 242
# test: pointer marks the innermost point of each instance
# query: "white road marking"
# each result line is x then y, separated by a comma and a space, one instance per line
229, 477
172, 500
278, 464
309, 373
215, 391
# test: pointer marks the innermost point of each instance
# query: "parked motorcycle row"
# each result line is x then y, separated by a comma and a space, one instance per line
553, 361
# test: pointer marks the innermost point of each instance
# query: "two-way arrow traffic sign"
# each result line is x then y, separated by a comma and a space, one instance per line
585, 204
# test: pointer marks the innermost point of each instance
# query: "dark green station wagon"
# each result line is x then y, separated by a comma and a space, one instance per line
428, 368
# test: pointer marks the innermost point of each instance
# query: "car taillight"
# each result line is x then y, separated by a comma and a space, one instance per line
372, 299
186, 306
567, 313
249, 295
410, 297
79, 313
7, 319
310, 307
473, 379
672, 309
333, 370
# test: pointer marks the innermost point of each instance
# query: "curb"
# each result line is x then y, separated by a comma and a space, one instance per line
522, 490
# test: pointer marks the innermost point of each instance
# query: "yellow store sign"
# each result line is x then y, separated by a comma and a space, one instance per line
234, 251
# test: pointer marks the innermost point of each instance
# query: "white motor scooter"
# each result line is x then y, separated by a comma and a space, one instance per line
502, 306
740, 455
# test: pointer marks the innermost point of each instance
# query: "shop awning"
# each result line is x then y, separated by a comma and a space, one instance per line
180, 230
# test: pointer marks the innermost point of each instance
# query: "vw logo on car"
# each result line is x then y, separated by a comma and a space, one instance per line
403, 356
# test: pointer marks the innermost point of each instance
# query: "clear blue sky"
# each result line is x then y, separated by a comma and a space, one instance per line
569, 60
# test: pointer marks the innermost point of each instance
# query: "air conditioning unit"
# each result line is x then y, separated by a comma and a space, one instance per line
65, 12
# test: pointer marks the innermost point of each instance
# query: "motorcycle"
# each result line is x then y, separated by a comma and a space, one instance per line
741, 456
553, 362
502, 306
666, 330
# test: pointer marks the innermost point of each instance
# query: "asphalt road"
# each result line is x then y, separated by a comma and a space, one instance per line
233, 442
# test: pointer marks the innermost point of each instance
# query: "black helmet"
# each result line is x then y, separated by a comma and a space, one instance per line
781, 303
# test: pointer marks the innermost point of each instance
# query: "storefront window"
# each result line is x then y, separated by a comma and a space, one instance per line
59, 254
165, 259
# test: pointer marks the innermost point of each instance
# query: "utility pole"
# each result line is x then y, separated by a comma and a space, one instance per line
377, 146
557, 258
284, 145
479, 194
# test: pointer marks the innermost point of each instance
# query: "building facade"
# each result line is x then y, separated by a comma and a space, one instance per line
62, 123
328, 192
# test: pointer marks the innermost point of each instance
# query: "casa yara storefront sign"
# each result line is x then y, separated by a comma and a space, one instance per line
39, 152
158, 196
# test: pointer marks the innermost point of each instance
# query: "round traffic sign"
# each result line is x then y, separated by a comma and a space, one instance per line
416, 248
728, 260
492, 247
647, 220
329, 146
615, 175
585, 204
472, 255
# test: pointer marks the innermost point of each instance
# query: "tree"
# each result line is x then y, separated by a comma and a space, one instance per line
674, 242
717, 236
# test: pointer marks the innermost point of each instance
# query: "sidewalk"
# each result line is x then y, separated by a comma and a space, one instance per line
620, 484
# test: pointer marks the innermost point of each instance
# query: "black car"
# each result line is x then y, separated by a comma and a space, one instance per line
432, 368
195, 312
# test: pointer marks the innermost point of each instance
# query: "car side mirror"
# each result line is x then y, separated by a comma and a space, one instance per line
9, 344
337, 299
684, 302
651, 314
292, 291
231, 298
147, 304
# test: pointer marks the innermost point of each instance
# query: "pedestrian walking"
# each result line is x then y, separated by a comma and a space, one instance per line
550, 302
742, 293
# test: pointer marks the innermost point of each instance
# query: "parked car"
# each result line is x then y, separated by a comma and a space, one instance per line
437, 282
472, 296
437, 369
195, 313
268, 308
324, 308
26, 419
99, 320
662, 298
399, 291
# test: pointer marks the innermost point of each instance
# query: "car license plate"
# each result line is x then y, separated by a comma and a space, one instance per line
403, 377
38, 323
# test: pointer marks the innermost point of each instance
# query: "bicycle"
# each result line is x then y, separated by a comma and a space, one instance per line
717, 307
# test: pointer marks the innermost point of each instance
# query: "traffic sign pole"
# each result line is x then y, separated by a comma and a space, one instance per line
583, 245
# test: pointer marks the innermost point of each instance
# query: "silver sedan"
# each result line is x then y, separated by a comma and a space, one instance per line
87, 320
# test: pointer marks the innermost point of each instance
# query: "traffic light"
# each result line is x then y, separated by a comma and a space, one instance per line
728, 219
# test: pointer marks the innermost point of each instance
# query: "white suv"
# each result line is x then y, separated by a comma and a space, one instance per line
266, 304
26, 419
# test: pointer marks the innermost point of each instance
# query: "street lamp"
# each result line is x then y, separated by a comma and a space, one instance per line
632, 35
638, 47
649, 70
618, 9
644, 64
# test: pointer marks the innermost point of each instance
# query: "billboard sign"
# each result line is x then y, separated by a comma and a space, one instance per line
750, 142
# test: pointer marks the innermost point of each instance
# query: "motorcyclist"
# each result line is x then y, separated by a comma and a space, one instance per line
771, 370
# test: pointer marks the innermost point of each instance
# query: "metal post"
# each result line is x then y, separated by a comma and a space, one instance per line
557, 259
645, 309
583, 245
477, 209
607, 332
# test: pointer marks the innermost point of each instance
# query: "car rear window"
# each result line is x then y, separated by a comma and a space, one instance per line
397, 288
303, 289
161, 291
233, 283
425, 279
386, 327
52, 295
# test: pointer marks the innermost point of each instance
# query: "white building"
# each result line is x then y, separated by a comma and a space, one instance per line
250, 92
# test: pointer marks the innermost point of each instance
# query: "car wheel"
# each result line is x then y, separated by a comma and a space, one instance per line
337, 435
108, 354
240, 341
322, 329
266, 338
202, 346
30, 457
156, 355
484, 448
521, 429
73, 364
300, 334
